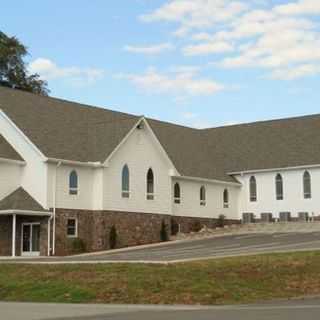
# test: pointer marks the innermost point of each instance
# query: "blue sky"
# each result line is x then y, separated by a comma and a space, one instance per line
193, 62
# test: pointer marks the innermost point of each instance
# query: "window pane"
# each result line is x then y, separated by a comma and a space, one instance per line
71, 227
307, 185
150, 185
73, 183
253, 189
125, 178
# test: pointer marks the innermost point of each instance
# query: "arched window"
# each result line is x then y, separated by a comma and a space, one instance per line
307, 185
73, 183
125, 182
177, 193
279, 187
226, 198
150, 185
202, 196
253, 189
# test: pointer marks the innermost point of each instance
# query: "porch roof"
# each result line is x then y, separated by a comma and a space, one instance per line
21, 202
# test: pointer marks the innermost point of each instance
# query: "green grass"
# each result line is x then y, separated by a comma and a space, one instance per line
223, 281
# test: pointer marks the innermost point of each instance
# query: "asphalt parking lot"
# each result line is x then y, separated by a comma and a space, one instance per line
179, 251
225, 246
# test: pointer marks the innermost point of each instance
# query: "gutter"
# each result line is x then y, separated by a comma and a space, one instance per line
78, 163
53, 217
18, 162
274, 169
235, 184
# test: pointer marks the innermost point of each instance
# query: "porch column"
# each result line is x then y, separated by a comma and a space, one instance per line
14, 235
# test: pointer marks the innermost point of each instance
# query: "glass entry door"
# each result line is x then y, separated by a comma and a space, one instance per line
30, 239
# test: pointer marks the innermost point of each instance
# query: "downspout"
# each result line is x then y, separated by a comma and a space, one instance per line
54, 190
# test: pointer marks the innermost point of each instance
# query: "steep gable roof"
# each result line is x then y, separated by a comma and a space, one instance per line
7, 151
72, 131
20, 200
63, 129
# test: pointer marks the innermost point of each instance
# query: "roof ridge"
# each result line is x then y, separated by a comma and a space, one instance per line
80, 105
264, 121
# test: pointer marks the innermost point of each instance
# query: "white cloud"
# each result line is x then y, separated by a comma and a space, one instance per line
249, 34
193, 14
311, 7
207, 48
184, 82
49, 70
150, 50
295, 72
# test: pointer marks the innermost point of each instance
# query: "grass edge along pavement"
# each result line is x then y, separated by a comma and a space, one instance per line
236, 280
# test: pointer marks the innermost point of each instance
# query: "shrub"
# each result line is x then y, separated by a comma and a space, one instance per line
195, 226
164, 232
77, 245
174, 227
113, 237
221, 221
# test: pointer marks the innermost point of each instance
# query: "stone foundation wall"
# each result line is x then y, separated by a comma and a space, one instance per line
94, 229
193, 224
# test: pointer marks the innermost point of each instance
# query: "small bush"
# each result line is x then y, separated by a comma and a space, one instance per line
221, 222
164, 232
195, 226
174, 227
77, 246
113, 237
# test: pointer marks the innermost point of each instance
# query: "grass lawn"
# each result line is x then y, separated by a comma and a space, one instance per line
223, 281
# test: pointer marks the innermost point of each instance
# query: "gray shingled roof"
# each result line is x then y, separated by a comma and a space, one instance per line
20, 200
71, 131
7, 151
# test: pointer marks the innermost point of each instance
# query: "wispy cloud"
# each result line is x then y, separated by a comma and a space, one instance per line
150, 50
176, 82
283, 39
49, 70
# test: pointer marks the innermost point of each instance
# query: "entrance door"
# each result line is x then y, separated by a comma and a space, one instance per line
30, 239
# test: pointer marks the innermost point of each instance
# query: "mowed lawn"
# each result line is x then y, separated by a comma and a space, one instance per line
223, 281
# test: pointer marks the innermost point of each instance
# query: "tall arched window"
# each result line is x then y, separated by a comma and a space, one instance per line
150, 185
202, 196
226, 198
73, 183
125, 182
253, 189
307, 185
279, 187
177, 193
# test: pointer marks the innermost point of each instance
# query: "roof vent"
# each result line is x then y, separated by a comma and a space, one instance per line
140, 126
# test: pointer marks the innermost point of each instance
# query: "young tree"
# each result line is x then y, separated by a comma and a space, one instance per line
13, 70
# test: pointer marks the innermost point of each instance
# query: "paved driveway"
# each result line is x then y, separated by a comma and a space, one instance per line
225, 246
293, 310
214, 247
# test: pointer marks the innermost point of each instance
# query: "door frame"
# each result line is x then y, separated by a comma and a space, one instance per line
29, 253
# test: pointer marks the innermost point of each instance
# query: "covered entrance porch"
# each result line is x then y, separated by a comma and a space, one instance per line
24, 226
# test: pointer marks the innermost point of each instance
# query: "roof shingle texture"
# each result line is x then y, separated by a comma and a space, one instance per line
20, 200
71, 131
7, 151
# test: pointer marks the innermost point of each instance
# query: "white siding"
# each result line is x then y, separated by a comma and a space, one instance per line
140, 152
10, 178
293, 201
34, 174
190, 200
84, 199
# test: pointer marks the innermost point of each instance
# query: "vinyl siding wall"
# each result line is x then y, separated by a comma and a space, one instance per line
10, 178
140, 152
190, 200
293, 201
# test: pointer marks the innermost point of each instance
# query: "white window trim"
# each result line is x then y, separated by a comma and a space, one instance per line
76, 228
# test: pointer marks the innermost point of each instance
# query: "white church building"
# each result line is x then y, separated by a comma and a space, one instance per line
71, 172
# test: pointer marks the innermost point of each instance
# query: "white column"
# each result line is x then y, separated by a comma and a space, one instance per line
13, 235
